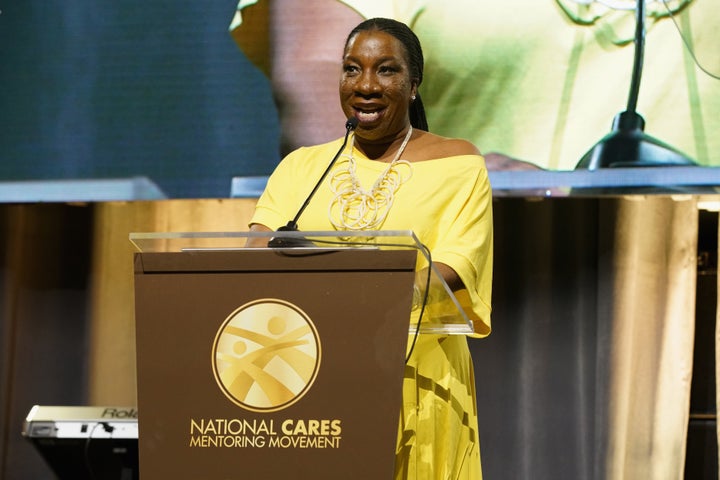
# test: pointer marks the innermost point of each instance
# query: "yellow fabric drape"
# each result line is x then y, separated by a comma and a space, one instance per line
653, 311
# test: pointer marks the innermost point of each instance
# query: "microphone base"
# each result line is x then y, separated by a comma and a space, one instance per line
628, 146
281, 241
290, 242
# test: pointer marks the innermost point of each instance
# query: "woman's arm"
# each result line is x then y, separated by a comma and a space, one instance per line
450, 276
255, 242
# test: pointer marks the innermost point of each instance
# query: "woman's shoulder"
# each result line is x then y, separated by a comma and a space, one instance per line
430, 146
312, 151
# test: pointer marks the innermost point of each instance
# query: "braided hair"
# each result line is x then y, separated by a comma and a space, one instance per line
414, 52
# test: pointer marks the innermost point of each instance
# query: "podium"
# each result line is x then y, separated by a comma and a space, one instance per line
279, 363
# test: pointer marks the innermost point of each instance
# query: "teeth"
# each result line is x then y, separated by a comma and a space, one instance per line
367, 116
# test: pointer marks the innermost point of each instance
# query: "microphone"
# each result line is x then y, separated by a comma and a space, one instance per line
627, 145
280, 241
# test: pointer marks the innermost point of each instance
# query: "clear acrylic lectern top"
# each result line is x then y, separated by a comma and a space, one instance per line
435, 309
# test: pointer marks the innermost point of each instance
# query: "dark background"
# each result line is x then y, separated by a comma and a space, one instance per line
131, 88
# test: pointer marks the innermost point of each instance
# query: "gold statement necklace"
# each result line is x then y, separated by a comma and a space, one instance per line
355, 208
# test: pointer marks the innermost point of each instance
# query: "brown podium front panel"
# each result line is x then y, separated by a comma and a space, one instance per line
271, 364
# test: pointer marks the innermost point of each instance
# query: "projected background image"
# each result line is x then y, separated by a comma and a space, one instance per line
132, 88
97, 90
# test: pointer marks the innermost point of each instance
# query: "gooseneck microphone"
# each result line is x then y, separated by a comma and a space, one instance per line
280, 241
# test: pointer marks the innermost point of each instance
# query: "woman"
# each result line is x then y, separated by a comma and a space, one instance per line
395, 175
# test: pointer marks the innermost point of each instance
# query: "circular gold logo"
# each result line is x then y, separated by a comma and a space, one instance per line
266, 355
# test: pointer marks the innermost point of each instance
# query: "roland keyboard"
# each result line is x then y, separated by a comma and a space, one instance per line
85, 442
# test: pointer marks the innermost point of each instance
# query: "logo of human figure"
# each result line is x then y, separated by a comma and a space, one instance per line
266, 355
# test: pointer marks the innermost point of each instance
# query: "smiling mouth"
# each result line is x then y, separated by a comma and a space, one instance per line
369, 116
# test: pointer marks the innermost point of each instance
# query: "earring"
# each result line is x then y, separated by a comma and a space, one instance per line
412, 98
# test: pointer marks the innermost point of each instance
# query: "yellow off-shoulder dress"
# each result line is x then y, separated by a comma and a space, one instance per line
447, 202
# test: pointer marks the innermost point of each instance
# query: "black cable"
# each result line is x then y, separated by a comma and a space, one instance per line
86, 451
424, 303
88, 464
688, 47
638, 57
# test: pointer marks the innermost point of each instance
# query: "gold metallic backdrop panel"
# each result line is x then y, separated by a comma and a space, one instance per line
112, 345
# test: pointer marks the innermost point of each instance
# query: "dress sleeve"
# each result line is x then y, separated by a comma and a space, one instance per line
290, 184
467, 247
275, 206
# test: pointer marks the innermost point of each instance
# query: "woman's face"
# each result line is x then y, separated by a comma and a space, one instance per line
375, 85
